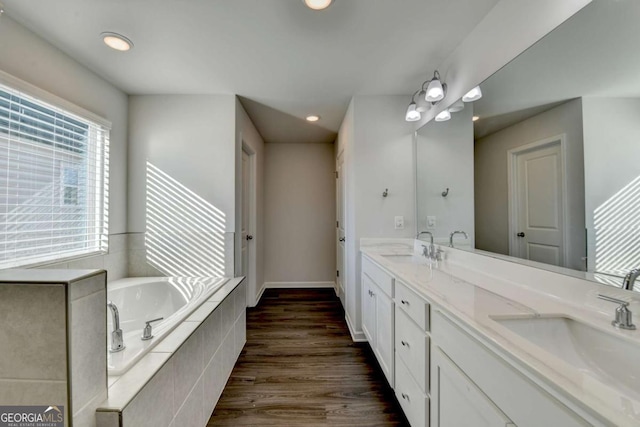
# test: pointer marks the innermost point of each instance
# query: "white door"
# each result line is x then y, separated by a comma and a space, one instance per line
340, 230
537, 229
247, 237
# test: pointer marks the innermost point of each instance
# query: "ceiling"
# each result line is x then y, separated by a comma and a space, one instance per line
593, 54
284, 60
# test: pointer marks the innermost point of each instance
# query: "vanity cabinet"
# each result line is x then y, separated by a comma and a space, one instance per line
412, 342
378, 315
472, 385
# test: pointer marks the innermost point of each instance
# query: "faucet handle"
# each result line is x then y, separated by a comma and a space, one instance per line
624, 319
147, 331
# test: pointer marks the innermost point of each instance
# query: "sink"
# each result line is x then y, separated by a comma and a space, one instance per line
610, 358
405, 259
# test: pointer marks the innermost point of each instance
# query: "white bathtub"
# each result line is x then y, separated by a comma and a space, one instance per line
145, 298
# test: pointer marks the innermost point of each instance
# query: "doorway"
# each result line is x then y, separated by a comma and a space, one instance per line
247, 238
537, 197
340, 229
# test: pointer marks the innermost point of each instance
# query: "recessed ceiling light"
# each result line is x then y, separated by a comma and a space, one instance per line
475, 118
313, 118
317, 4
117, 41
1, 8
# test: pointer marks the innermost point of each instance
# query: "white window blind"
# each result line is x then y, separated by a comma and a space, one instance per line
54, 179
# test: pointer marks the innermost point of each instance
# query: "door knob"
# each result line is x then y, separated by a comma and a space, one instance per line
249, 237
520, 234
342, 239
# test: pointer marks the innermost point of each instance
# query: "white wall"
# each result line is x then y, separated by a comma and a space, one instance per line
247, 133
507, 30
445, 160
491, 178
26, 56
612, 168
300, 214
378, 148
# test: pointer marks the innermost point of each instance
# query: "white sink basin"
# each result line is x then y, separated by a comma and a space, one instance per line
605, 356
406, 259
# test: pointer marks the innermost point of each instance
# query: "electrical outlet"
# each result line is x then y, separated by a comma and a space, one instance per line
399, 222
431, 222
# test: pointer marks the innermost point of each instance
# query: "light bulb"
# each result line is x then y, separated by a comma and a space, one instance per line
435, 92
443, 116
412, 115
473, 95
317, 4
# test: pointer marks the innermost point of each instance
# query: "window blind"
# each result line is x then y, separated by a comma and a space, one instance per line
54, 178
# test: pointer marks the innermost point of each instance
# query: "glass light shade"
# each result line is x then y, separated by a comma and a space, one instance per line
422, 105
317, 4
412, 115
457, 106
443, 116
435, 92
473, 95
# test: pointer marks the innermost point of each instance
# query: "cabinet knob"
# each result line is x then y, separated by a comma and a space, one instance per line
404, 343
405, 396
405, 302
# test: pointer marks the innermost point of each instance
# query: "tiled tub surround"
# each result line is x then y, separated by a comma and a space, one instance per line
53, 350
140, 299
468, 288
179, 382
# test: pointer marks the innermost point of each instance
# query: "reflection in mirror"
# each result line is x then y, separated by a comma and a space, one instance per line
556, 149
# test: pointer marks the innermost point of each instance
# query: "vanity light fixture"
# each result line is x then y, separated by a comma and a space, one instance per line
436, 90
312, 118
413, 115
473, 95
443, 116
318, 4
422, 105
116, 41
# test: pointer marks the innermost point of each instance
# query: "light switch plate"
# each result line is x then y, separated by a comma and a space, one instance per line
431, 222
399, 222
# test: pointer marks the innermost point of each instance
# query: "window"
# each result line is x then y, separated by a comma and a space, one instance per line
53, 180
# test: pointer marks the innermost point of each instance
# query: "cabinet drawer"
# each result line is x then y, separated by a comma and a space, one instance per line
381, 278
520, 399
416, 307
412, 346
414, 403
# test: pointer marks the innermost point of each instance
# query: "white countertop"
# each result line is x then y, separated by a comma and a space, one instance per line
471, 301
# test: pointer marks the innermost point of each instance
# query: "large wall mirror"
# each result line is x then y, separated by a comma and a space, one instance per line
545, 167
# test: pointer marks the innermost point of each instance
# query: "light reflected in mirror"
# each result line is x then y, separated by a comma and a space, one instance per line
550, 171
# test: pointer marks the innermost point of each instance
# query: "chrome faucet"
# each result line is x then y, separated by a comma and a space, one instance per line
630, 279
427, 252
623, 318
453, 234
117, 342
147, 332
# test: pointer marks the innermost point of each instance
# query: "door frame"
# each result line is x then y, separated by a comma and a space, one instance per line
251, 262
341, 181
512, 190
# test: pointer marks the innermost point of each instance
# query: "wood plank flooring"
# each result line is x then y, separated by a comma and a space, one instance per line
300, 368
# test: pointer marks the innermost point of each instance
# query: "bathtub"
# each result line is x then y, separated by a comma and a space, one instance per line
145, 298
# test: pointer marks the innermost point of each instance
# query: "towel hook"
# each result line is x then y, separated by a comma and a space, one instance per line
445, 193
385, 193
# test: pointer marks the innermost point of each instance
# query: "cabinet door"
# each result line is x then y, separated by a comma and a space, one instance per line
457, 401
384, 333
368, 306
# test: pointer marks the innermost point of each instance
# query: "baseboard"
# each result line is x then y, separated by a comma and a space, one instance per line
259, 297
355, 336
298, 285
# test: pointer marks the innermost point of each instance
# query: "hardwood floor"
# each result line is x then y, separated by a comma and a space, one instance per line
300, 368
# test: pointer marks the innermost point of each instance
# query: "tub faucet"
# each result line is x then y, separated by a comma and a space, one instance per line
453, 234
630, 279
427, 252
117, 342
